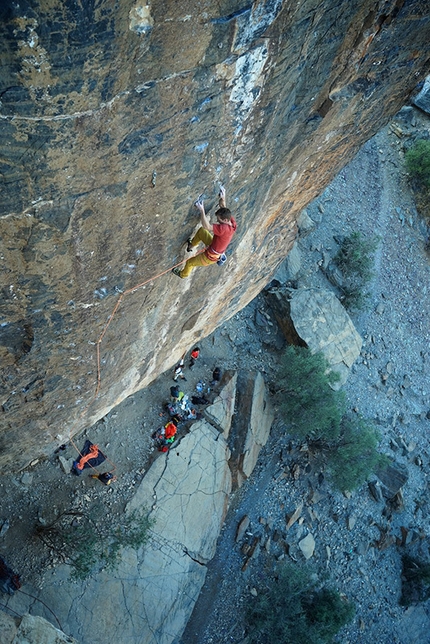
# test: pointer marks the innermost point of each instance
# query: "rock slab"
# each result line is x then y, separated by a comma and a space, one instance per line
315, 318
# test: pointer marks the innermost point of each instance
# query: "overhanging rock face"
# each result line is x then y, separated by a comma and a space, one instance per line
114, 118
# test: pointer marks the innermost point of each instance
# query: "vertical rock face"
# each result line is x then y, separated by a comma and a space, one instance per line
114, 118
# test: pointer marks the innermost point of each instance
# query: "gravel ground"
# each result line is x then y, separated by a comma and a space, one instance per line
388, 384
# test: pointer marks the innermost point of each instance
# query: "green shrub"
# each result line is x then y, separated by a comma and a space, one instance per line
315, 412
355, 261
354, 456
415, 581
291, 610
417, 160
310, 406
87, 544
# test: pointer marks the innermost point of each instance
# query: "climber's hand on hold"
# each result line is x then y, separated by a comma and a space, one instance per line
221, 196
200, 206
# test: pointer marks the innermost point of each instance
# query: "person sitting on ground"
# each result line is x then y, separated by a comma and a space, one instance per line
216, 237
193, 357
174, 393
165, 436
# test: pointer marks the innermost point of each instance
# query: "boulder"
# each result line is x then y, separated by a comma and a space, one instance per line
220, 413
392, 477
307, 546
30, 629
315, 318
188, 491
289, 269
422, 100
252, 425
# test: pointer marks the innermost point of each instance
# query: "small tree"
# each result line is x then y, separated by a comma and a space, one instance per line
85, 543
292, 610
355, 261
309, 404
354, 455
417, 160
415, 581
317, 413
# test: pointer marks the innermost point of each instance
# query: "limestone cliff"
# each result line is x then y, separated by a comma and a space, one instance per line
115, 116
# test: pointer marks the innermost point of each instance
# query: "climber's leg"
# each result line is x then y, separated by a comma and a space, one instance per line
198, 260
202, 235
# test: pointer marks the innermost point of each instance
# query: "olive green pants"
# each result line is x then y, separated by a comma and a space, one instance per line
202, 235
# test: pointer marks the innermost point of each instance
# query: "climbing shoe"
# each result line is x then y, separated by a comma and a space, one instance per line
189, 245
176, 271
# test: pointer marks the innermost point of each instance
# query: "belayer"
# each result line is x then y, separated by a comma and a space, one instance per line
216, 237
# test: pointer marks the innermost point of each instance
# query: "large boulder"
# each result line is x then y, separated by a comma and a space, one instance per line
30, 629
187, 492
252, 425
220, 412
315, 318
422, 100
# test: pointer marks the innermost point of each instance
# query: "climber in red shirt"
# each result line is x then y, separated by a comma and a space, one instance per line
216, 237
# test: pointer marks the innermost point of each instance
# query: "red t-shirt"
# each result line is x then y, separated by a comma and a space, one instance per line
222, 236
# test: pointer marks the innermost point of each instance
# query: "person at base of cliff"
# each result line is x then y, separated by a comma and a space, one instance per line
216, 376
179, 371
216, 237
174, 393
193, 357
165, 436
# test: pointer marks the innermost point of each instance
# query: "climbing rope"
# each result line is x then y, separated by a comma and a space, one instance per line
98, 344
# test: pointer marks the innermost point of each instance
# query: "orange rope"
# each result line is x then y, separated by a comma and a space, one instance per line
99, 341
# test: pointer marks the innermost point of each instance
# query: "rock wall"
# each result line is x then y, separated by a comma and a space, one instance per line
114, 118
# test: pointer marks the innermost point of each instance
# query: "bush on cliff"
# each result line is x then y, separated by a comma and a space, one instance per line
415, 581
417, 160
354, 456
292, 609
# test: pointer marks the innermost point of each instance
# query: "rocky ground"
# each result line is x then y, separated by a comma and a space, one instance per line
354, 536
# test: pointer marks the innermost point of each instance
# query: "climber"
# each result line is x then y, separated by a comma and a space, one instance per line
216, 237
